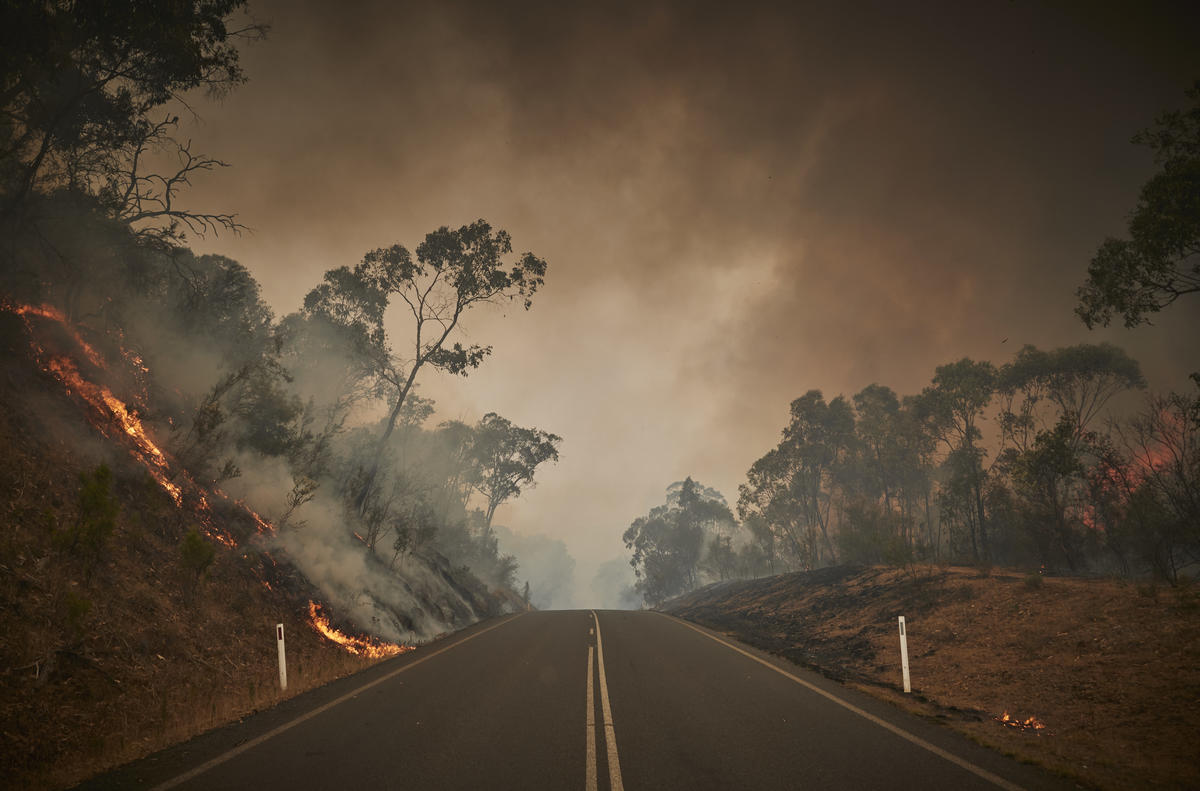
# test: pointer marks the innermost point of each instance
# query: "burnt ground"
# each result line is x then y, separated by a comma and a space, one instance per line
1110, 668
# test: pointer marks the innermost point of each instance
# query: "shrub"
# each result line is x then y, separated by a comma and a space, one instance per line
96, 517
195, 553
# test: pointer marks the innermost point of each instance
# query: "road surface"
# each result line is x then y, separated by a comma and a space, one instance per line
580, 700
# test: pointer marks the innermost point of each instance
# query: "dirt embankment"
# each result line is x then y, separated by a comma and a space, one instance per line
1110, 668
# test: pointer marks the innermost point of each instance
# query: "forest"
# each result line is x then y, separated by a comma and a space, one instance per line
313, 418
1056, 461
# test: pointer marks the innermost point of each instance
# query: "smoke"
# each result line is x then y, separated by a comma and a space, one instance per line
612, 586
412, 606
276, 415
545, 564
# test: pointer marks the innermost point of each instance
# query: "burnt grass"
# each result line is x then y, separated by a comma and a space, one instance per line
1111, 668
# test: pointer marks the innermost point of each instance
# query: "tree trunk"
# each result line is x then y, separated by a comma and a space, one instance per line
364, 494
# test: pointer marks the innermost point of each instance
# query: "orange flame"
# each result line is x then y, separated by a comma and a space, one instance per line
362, 646
1027, 724
262, 525
114, 414
54, 314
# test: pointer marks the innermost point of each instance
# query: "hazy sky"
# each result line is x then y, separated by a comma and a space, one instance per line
738, 202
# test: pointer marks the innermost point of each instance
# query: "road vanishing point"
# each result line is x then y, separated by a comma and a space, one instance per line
580, 700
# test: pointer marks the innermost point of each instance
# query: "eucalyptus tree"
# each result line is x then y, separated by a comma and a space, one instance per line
671, 541
86, 87
1038, 389
877, 411
953, 405
1048, 401
452, 272
1160, 260
505, 457
792, 487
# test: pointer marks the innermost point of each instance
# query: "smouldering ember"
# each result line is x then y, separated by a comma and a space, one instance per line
363, 646
1027, 724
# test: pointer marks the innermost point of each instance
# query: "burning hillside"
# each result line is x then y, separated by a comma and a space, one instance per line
121, 423
117, 647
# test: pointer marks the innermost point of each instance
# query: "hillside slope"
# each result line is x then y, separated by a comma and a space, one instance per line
1109, 670
115, 643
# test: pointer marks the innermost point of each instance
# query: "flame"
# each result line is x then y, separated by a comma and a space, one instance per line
261, 524
54, 314
1027, 724
362, 646
102, 399
115, 415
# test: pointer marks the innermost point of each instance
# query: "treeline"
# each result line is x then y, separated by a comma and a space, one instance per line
1019, 464
1053, 484
1016, 465
321, 403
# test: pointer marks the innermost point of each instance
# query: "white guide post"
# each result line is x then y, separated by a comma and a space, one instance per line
283, 660
903, 655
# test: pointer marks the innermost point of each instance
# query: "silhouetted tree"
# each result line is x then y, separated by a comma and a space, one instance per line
953, 406
505, 458
81, 84
1160, 261
669, 543
453, 271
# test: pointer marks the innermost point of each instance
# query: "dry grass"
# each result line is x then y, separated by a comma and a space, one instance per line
99, 668
107, 661
1112, 669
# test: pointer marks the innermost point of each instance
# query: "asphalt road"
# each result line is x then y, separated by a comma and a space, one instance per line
545, 700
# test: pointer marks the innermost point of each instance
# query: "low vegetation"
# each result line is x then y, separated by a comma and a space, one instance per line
1098, 677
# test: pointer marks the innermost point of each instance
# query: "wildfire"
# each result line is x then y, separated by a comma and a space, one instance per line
113, 413
101, 398
112, 416
1027, 724
362, 646
54, 314
261, 524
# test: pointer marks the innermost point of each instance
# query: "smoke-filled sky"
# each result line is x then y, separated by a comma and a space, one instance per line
738, 201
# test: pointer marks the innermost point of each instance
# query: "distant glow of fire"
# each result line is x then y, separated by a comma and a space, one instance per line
362, 646
1027, 724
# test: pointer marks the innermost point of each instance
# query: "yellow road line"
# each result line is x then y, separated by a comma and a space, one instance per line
610, 731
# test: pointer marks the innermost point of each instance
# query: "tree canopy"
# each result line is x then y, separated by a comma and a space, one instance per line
86, 88
1160, 260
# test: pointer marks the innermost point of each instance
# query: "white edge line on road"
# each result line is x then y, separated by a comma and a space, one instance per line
241, 748
610, 730
978, 771
591, 727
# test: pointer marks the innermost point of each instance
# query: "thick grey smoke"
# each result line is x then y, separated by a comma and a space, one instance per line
545, 564
738, 202
612, 586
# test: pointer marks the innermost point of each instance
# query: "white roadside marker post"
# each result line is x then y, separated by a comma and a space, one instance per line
903, 655
283, 659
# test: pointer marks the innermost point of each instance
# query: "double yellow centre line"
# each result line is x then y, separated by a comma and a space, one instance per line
610, 732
